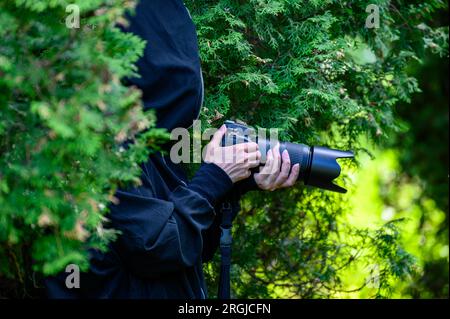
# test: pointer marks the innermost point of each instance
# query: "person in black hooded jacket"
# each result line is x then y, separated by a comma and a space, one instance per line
169, 225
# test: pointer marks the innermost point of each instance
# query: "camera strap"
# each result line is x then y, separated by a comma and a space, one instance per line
225, 251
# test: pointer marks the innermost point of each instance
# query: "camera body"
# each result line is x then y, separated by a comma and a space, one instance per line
318, 165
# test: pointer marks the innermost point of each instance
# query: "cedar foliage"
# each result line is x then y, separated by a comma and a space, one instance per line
313, 70
64, 118
310, 68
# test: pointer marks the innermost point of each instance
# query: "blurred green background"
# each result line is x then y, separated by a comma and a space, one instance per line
408, 178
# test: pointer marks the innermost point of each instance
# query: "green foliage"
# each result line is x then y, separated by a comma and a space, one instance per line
64, 115
386, 192
425, 163
312, 69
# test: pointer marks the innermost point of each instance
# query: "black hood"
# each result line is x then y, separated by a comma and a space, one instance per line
170, 73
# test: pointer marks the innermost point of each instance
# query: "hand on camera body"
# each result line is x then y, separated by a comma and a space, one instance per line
238, 161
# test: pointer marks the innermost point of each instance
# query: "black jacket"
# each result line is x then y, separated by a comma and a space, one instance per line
169, 225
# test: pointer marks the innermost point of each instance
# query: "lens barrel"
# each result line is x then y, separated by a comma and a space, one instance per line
318, 165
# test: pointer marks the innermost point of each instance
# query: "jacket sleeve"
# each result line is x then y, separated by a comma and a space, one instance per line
211, 236
163, 236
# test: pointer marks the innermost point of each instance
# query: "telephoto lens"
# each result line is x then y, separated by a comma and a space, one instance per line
318, 165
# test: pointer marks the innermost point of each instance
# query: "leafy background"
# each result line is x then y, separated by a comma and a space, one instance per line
313, 70
309, 68
64, 121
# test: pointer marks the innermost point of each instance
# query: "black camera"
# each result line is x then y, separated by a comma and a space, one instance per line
318, 165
